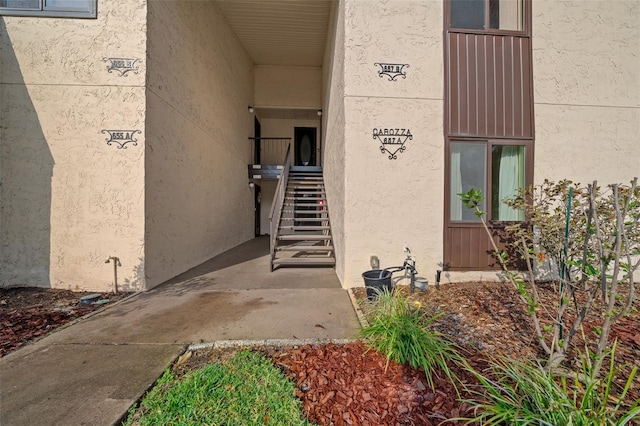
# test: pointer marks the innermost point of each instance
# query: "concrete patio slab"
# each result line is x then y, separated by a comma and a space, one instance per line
91, 372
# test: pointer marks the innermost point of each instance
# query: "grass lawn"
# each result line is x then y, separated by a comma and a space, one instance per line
248, 390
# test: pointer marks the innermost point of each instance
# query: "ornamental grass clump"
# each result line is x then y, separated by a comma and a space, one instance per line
400, 330
524, 393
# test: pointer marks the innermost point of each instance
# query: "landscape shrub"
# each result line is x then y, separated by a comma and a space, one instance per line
518, 392
401, 331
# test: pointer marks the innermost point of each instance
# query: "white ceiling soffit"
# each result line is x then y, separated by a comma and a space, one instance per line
280, 32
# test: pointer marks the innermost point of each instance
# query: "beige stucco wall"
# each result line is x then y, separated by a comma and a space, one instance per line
333, 124
587, 90
69, 200
288, 86
200, 81
392, 203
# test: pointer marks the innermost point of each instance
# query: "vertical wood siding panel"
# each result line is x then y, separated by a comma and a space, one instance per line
472, 85
498, 72
509, 87
453, 73
527, 87
481, 84
490, 83
490, 110
463, 81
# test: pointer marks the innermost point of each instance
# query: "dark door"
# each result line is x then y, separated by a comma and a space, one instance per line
305, 146
257, 132
257, 199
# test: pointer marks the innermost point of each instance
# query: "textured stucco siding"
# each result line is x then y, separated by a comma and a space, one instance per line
288, 86
333, 122
587, 90
200, 81
69, 200
393, 203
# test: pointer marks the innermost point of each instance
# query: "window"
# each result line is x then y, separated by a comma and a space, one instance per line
483, 15
497, 169
50, 8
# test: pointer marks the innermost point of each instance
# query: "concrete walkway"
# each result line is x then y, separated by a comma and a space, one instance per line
91, 372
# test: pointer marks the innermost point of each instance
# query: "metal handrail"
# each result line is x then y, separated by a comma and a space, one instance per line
264, 149
276, 205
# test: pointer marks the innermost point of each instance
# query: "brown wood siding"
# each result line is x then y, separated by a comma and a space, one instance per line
468, 248
489, 86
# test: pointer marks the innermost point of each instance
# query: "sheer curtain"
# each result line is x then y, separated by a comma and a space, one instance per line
456, 183
511, 179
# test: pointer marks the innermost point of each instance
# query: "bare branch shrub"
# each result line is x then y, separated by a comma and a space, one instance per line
588, 239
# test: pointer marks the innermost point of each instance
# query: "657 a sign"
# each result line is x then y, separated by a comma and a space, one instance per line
392, 140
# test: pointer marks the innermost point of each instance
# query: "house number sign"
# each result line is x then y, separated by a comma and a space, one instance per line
392, 140
392, 70
122, 65
121, 137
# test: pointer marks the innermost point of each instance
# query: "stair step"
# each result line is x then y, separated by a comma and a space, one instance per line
302, 197
305, 228
301, 204
306, 219
305, 212
304, 237
307, 181
295, 247
329, 261
305, 169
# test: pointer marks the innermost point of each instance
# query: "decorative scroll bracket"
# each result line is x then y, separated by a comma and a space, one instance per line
392, 70
392, 140
121, 137
122, 65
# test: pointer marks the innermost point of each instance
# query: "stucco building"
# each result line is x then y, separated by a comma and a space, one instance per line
125, 124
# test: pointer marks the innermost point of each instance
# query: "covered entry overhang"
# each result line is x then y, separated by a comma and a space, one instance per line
287, 42
280, 32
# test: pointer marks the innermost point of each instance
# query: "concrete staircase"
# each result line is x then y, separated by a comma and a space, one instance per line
303, 235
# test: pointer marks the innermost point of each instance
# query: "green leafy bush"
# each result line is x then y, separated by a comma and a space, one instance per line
248, 390
400, 330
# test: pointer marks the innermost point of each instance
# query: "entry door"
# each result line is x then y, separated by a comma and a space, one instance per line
305, 146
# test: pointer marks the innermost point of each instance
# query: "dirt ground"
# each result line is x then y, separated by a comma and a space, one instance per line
349, 384
28, 313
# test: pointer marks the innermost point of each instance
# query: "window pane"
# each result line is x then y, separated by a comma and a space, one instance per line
506, 14
21, 4
467, 14
468, 171
507, 178
71, 5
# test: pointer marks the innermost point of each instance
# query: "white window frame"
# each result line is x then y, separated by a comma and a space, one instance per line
52, 11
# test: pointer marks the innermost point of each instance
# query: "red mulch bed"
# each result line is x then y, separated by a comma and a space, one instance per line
27, 313
351, 385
